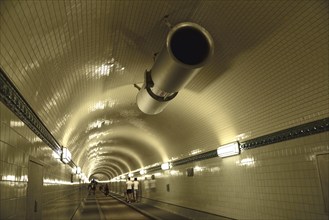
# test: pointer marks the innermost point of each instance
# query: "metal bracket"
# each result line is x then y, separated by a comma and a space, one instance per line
149, 84
166, 21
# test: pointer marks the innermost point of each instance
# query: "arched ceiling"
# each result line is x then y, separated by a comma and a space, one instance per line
100, 175
76, 63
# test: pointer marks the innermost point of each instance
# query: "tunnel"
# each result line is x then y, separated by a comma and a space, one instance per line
245, 139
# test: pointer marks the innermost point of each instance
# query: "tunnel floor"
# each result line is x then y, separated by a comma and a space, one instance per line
101, 207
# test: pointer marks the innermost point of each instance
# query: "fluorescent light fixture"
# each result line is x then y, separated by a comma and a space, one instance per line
66, 155
229, 149
142, 172
166, 166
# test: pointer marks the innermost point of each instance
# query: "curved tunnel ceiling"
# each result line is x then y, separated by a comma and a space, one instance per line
76, 63
101, 175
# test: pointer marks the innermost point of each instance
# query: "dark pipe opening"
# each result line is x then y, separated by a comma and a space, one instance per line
189, 45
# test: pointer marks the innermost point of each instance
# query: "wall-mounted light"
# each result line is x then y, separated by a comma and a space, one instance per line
166, 166
66, 155
142, 172
229, 149
187, 49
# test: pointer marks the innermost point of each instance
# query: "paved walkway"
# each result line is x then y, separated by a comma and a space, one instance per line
100, 207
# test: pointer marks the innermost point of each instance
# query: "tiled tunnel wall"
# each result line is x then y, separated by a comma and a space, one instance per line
18, 145
278, 181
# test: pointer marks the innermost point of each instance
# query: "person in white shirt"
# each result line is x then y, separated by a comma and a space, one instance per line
129, 185
136, 188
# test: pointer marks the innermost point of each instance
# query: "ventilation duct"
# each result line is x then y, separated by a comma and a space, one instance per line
188, 48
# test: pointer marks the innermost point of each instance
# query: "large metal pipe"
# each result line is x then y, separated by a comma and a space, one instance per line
188, 48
